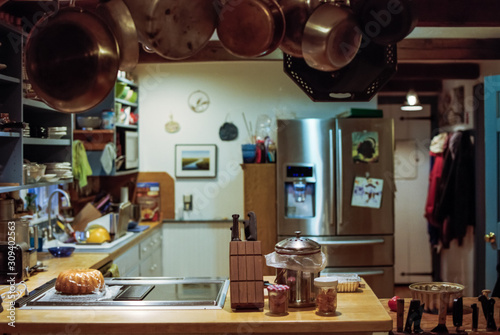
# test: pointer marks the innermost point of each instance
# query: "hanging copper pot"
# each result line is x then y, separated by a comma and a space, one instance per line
116, 14
331, 37
174, 29
251, 28
296, 14
72, 59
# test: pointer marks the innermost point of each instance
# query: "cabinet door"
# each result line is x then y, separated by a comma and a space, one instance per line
128, 260
151, 266
149, 245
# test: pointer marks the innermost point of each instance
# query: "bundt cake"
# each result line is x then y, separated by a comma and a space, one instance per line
79, 281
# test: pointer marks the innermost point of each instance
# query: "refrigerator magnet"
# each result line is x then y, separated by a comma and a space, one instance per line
365, 147
367, 192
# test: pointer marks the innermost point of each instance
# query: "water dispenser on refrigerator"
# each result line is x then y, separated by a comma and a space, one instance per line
300, 194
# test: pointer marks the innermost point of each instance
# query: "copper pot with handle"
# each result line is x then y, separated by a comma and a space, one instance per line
331, 37
251, 28
72, 59
116, 14
296, 14
174, 29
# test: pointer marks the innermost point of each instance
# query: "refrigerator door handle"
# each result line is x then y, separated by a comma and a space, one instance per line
360, 273
353, 242
332, 164
370, 273
340, 182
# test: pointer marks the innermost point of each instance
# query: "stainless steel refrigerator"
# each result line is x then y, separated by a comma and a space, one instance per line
335, 184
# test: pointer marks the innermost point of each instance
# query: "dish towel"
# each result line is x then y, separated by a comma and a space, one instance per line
108, 157
81, 166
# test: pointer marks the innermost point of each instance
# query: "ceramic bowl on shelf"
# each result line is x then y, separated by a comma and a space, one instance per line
50, 178
61, 251
88, 122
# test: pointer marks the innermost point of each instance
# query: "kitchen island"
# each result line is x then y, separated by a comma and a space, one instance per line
360, 313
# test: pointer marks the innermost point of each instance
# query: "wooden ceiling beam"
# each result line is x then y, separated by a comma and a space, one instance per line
448, 49
401, 85
458, 13
410, 71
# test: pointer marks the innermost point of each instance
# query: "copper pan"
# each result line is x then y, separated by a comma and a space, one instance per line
116, 14
331, 37
72, 59
296, 14
174, 29
251, 28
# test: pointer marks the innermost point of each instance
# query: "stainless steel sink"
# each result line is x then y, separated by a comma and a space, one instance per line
136, 292
91, 247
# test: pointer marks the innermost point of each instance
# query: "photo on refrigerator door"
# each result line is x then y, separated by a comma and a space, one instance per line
367, 192
365, 147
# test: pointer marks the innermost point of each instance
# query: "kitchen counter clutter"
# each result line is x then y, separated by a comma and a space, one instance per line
359, 312
430, 321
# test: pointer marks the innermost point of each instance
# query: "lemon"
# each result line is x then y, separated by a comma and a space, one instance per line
98, 235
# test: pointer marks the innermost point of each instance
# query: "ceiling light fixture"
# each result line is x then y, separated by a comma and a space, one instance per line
412, 103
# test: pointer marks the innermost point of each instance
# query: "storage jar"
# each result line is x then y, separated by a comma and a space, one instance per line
326, 295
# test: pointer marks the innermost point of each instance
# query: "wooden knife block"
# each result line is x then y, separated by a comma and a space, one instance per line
245, 274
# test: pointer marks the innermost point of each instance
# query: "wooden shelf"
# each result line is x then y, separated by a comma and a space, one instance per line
5, 189
37, 104
9, 79
9, 134
127, 103
45, 141
126, 81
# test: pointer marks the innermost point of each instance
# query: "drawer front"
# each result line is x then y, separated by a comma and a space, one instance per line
128, 260
152, 266
358, 251
151, 244
380, 279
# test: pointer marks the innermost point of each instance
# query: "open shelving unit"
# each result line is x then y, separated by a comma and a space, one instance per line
14, 147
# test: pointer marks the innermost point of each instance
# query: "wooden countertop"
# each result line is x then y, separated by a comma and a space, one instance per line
429, 321
359, 312
93, 260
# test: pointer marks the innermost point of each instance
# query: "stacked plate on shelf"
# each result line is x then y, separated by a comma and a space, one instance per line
26, 130
62, 170
57, 132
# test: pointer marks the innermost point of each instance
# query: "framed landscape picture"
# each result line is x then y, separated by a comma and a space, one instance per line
196, 160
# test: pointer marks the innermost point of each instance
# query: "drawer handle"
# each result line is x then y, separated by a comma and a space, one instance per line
151, 243
145, 249
354, 242
361, 273
153, 267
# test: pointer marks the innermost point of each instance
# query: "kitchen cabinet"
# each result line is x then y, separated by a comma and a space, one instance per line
259, 183
121, 133
14, 148
143, 259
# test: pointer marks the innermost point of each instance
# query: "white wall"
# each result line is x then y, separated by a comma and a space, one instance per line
250, 87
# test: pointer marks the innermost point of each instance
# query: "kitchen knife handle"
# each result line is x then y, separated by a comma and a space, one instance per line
475, 316
235, 229
458, 310
400, 310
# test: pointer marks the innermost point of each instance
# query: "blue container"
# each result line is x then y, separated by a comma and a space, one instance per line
248, 151
108, 120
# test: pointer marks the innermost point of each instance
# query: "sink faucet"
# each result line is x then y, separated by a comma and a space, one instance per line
51, 229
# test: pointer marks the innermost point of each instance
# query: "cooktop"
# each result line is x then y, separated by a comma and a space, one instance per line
133, 292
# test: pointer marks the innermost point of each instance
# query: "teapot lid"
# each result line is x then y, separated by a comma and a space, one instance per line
297, 246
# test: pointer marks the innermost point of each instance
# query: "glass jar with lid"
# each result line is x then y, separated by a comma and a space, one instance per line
278, 299
326, 295
298, 261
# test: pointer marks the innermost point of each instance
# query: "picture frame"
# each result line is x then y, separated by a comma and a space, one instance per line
195, 160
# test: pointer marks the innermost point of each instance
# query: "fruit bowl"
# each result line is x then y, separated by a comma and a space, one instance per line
61, 251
